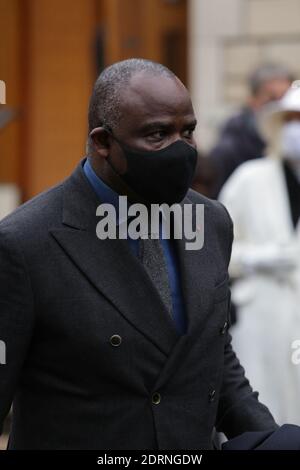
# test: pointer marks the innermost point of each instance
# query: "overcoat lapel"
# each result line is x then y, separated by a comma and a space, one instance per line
110, 266
198, 273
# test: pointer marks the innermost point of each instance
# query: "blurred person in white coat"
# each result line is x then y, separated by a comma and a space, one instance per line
263, 199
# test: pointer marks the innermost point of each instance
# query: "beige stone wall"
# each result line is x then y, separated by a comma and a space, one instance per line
227, 39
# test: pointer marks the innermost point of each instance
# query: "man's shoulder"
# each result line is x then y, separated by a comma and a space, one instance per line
218, 226
212, 207
36, 212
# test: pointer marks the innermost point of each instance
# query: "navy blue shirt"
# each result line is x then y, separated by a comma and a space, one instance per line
108, 195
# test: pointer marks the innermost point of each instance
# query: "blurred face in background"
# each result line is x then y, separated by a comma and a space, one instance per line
270, 91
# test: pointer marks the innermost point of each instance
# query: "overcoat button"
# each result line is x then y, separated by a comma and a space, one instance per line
115, 340
156, 398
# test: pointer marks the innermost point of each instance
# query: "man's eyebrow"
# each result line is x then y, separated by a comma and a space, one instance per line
155, 125
163, 124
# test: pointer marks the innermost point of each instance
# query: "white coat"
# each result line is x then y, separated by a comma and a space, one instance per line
266, 264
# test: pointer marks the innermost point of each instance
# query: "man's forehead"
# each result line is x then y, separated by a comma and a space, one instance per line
150, 95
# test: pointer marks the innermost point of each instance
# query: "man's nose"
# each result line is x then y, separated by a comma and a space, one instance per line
176, 136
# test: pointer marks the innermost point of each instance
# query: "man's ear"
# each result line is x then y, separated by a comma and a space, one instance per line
101, 141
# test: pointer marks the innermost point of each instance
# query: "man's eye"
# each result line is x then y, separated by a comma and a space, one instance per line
188, 133
157, 135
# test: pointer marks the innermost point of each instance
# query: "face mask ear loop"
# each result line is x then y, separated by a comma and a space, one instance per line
109, 131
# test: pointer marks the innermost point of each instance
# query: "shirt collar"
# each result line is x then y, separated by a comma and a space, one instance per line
104, 192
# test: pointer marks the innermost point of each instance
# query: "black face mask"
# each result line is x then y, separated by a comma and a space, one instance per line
160, 176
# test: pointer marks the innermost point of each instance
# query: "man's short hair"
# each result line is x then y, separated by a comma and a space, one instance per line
104, 106
267, 72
